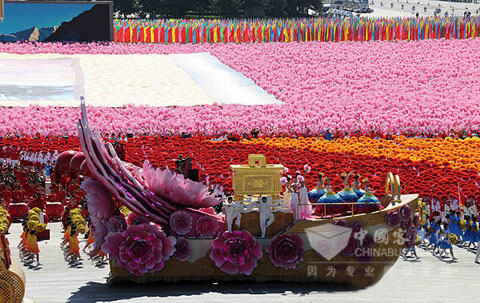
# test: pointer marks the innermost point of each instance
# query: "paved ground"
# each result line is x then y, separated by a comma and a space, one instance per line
393, 8
427, 279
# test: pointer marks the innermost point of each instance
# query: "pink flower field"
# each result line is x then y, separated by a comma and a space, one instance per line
388, 87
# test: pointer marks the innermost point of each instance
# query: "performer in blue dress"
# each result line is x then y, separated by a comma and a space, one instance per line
432, 240
467, 235
438, 237
423, 234
356, 186
368, 202
445, 242
347, 193
454, 222
318, 191
474, 237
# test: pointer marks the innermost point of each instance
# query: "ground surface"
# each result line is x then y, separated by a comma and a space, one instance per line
427, 279
384, 8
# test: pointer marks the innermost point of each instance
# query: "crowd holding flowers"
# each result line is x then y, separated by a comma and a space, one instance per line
385, 88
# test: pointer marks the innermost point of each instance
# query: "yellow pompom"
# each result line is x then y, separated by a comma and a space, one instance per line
32, 225
35, 218
125, 210
37, 210
417, 240
41, 227
82, 229
453, 238
3, 228
463, 224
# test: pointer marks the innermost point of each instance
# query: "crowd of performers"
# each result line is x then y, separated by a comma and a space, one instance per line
25, 185
322, 201
33, 223
443, 230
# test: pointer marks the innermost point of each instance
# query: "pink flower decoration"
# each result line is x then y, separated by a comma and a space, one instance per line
416, 221
100, 207
174, 187
300, 178
206, 227
405, 212
392, 218
236, 252
116, 224
286, 251
183, 250
283, 180
140, 249
181, 222
406, 225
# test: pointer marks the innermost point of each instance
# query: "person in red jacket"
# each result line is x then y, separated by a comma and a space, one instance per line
7, 195
18, 195
37, 201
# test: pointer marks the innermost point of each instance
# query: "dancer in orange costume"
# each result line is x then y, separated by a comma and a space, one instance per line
74, 254
90, 240
32, 246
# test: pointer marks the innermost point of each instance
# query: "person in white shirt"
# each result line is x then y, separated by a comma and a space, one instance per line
446, 210
454, 205
436, 208
463, 211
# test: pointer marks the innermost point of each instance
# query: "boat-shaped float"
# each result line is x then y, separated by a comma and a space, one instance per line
174, 234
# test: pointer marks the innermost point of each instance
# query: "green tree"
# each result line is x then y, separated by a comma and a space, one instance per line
125, 7
201, 7
276, 8
227, 8
254, 8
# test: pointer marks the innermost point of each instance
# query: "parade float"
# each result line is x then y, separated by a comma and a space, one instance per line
173, 232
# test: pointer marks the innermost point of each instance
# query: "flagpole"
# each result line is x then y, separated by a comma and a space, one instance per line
2, 10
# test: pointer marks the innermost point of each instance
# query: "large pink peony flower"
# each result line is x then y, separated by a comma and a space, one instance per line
286, 251
406, 225
236, 252
405, 212
206, 227
392, 218
181, 222
416, 220
140, 249
183, 250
